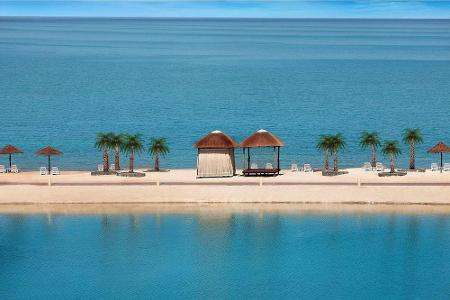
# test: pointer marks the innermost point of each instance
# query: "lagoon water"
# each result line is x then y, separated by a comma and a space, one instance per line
266, 256
64, 80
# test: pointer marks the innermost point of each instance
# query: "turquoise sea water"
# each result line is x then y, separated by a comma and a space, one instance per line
236, 256
63, 80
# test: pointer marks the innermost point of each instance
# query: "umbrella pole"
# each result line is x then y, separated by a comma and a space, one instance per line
48, 172
10, 163
441, 163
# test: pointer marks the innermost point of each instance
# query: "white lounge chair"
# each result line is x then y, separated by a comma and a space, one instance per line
379, 167
447, 167
367, 166
2, 169
55, 171
269, 166
434, 167
43, 170
294, 168
100, 168
14, 169
254, 166
112, 167
307, 168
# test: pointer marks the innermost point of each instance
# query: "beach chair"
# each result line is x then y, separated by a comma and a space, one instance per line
55, 171
447, 167
367, 166
307, 168
43, 170
100, 168
434, 167
269, 166
254, 166
379, 167
14, 169
112, 167
2, 169
294, 168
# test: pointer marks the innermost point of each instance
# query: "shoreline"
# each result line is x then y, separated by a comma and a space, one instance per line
182, 186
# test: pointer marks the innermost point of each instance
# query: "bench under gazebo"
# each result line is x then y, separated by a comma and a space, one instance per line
262, 139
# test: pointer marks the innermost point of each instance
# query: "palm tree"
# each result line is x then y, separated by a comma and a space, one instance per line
132, 144
337, 143
325, 144
391, 149
370, 139
116, 143
158, 146
412, 136
102, 142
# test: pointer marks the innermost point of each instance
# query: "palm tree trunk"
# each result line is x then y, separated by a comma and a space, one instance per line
327, 160
374, 159
335, 161
157, 162
131, 161
116, 159
412, 157
392, 163
105, 158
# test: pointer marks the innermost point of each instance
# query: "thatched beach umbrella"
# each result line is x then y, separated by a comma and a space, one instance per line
48, 151
10, 149
439, 148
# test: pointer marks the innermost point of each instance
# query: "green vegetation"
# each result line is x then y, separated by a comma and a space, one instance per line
370, 139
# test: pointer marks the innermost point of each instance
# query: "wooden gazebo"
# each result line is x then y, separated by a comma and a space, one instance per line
262, 138
215, 155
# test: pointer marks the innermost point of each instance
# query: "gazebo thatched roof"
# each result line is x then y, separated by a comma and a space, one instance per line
216, 140
10, 149
48, 151
262, 138
439, 148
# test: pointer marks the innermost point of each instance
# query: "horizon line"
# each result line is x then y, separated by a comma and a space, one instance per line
225, 18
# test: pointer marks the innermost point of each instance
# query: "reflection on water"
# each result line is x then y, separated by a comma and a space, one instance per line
225, 255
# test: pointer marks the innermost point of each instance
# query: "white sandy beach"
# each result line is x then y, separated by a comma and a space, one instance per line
182, 186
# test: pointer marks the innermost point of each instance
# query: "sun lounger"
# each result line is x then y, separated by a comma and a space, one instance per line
434, 167
447, 167
307, 168
2, 169
100, 168
55, 171
112, 168
269, 166
294, 168
254, 166
379, 167
43, 170
14, 169
367, 166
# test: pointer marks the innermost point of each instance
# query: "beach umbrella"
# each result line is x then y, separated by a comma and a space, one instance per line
10, 150
48, 151
440, 148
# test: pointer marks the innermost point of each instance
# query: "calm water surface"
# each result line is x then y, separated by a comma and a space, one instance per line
226, 256
63, 80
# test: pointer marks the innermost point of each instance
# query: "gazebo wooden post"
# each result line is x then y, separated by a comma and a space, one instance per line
278, 160
248, 158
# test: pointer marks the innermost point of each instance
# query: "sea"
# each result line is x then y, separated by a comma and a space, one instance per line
225, 256
63, 80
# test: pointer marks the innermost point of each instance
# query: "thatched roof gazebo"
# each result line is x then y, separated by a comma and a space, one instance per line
262, 138
439, 148
10, 150
215, 155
